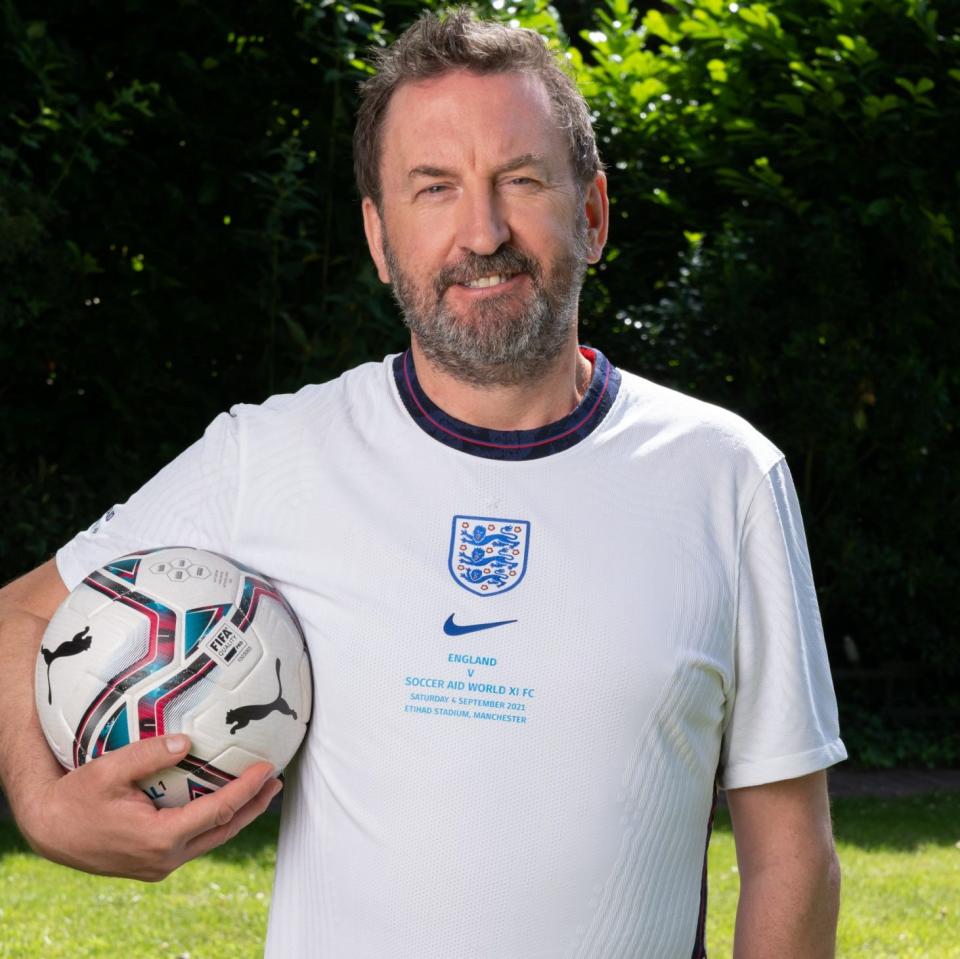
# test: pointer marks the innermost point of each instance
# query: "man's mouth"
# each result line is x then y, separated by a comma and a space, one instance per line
484, 282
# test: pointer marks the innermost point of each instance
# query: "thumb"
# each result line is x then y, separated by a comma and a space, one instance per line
139, 759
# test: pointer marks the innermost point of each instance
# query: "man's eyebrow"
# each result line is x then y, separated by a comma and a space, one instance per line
516, 163
525, 159
430, 171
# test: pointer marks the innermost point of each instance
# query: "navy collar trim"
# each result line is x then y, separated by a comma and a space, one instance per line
510, 444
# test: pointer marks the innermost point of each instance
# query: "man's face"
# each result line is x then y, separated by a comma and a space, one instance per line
482, 229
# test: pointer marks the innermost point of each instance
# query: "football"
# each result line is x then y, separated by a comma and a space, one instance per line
176, 640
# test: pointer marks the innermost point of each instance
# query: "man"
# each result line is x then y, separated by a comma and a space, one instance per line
548, 603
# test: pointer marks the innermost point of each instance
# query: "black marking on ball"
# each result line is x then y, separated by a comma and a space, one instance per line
243, 715
71, 647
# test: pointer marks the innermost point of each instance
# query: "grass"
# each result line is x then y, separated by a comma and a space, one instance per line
211, 908
901, 897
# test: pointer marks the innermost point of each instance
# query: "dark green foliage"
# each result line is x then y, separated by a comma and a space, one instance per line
179, 232
784, 243
887, 741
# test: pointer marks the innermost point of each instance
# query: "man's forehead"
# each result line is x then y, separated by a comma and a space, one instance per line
433, 121
458, 80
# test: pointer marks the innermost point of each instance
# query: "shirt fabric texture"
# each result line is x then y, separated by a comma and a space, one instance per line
539, 787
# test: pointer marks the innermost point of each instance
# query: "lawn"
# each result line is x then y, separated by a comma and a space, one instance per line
901, 898
212, 908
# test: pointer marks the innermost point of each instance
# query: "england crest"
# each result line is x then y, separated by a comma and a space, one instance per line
488, 556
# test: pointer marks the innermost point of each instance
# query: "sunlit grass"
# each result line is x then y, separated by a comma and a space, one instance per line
901, 893
211, 908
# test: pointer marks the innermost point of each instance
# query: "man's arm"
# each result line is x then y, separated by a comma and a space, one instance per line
95, 818
789, 873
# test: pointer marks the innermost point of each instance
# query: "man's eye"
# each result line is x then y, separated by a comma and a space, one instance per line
522, 181
434, 189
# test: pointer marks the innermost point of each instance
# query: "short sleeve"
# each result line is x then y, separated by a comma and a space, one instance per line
192, 501
781, 721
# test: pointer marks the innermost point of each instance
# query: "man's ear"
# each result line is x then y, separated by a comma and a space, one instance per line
373, 227
596, 207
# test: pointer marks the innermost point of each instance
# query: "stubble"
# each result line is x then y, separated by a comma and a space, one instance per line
505, 339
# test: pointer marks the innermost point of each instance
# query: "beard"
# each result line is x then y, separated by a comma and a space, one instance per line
505, 339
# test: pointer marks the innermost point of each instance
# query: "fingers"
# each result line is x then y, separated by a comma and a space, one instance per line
221, 807
143, 758
242, 818
107, 825
173, 836
97, 819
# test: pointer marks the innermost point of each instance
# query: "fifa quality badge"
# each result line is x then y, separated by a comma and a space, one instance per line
488, 556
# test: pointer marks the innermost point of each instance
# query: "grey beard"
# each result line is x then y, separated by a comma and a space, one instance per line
503, 343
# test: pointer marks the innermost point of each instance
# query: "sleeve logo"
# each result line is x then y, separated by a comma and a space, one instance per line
488, 556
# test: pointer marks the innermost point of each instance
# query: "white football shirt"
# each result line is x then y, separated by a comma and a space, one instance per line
534, 653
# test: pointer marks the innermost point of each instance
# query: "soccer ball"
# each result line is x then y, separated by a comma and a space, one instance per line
176, 640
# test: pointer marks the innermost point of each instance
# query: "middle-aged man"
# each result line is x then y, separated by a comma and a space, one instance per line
549, 604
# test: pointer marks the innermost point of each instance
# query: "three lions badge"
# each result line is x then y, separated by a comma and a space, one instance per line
488, 556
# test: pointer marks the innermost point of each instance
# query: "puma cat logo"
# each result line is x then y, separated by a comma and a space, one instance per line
79, 644
243, 715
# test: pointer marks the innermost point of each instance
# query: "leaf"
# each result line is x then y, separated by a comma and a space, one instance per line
297, 333
940, 224
759, 15
702, 26
718, 71
877, 210
656, 23
916, 90
876, 106
792, 102
646, 90
642, 63
86, 156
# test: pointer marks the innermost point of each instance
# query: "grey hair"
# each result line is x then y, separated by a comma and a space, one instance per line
433, 46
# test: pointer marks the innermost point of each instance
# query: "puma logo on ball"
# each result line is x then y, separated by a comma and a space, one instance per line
243, 715
80, 643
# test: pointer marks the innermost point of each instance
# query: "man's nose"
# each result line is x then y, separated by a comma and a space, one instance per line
482, 226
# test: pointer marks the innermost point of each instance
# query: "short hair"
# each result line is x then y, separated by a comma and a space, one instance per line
432, 47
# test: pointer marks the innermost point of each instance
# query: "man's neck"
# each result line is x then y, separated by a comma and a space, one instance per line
525, 406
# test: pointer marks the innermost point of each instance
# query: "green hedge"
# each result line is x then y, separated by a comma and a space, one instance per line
786, 228
179, 231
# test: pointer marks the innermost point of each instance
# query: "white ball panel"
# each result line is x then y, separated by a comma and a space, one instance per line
167, 788
235, 759
131, 648
188, 578
181, 713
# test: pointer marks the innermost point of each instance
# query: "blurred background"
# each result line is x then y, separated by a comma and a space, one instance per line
179, 231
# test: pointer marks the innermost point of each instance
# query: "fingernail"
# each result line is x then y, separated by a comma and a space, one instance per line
177, 744
276, 790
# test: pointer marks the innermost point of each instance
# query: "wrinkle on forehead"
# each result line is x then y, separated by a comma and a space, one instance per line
469, 122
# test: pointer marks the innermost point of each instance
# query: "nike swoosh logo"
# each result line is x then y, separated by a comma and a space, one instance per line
452, 629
